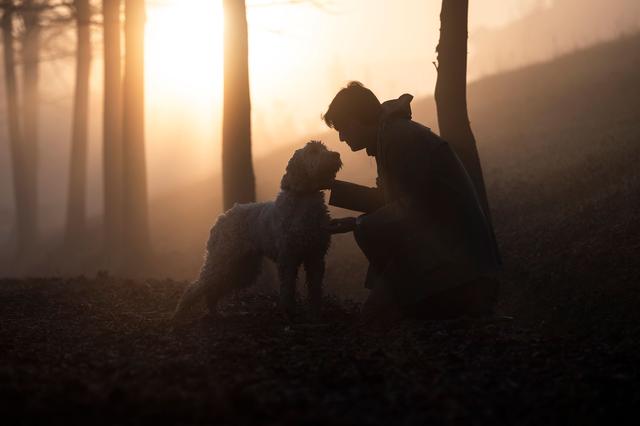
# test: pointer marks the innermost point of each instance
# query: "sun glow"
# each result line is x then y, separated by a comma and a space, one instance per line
183, 89
183, 56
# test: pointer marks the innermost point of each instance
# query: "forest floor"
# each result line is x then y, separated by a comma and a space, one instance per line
100, 351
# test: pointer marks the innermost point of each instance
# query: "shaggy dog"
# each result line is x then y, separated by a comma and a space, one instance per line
292, 231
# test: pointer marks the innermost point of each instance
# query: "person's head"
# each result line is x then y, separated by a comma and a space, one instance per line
354, 112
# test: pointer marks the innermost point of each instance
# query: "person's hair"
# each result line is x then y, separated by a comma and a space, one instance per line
354, 102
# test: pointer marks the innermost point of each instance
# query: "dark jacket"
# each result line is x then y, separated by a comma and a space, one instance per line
431, 226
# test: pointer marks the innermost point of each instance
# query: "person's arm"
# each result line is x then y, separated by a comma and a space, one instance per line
355, 197
342, 225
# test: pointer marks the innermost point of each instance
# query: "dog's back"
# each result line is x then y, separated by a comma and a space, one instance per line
291, 230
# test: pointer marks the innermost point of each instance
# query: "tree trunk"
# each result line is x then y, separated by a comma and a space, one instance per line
451, 93
30, 101
136, 222
237, 170
25, 229
77, 197
112, 131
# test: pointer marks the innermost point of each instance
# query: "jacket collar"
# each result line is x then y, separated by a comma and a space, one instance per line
391, 109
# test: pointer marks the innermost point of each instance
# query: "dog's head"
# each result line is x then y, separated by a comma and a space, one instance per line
311, 168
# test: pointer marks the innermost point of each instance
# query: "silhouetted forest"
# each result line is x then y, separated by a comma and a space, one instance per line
85, 329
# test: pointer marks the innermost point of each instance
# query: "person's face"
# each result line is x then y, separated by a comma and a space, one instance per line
355, 134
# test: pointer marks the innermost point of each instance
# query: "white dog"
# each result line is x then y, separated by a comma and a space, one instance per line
292, 231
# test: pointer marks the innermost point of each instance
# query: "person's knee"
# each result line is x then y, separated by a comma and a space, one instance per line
361, 228
364, 238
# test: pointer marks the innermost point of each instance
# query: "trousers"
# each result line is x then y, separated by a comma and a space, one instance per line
398, 286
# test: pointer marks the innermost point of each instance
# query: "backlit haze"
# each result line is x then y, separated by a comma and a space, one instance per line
300, 55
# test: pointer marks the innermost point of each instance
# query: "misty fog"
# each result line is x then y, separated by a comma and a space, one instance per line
288, 95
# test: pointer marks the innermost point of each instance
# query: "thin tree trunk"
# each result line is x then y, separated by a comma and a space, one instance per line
451, 93
24, 229
30, 102
237, 170
136, 228
77, 197
112, 130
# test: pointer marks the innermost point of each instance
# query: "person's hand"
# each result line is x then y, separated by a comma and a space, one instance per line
342, 225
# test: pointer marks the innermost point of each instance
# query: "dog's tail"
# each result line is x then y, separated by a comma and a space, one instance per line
191, 296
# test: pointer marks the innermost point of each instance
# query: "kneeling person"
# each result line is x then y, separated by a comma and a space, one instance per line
431, 251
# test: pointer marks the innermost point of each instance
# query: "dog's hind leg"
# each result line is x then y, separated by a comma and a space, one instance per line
207, 282
192, 294
248, 270
213, 296
314, 269
242, 273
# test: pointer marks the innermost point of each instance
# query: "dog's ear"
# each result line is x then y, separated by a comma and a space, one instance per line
296, 178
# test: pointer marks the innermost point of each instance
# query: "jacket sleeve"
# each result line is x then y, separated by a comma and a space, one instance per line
355, 197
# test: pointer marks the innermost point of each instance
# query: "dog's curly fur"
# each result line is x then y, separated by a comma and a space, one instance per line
292, 231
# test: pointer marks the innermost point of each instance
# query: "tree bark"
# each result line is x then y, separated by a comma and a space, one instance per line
77, 197
136, 222
30, 77
237, 169
22, 185
451, 93
112, 131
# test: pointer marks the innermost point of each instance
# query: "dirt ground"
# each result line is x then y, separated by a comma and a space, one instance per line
100, 351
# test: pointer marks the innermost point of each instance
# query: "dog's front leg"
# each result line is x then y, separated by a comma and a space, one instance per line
288, 274
314, 269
